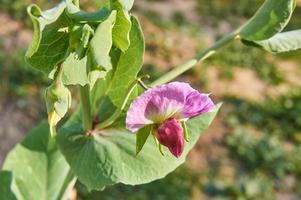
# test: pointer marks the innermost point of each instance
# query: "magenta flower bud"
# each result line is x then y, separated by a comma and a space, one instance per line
166, 106
170, 134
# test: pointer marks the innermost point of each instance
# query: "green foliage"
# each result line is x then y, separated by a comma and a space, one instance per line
269, 20
264, 28
266, 154
109, 154
282, 42
17, 8
106, 48
177, 185
218, 10
6, 182
280, 117
246, 187
102, 42
74, 71
121, 31
35, 169
16, 77
50, 41
125, 70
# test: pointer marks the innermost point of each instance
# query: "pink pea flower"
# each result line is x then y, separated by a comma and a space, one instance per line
166, 106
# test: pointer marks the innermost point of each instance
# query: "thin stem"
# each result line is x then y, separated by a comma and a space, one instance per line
86, 107
175, 72
143, 85
118, 111
59, 73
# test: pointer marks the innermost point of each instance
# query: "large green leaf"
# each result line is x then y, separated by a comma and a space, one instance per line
101, 43
126, 67
282, 42
74, 71
51, 38
121, 30
108, 156
269, 20
35, 169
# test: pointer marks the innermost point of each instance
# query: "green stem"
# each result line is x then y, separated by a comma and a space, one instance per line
118, 111
86, 107
175, 72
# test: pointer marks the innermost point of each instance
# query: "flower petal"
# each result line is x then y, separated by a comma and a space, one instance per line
156, 105
196, 104
173, 100
170, 134
135, 118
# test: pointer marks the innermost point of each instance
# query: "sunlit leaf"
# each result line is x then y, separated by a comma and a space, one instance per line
121, 30
50, 40
101, 43
74, 71
35, 169
282, 42
269, 20
126, 67
109, 156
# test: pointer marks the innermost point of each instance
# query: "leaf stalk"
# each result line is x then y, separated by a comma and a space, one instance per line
86, 107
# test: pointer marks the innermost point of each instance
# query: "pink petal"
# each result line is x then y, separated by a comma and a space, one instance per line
196, 104
173, 100
170, 134
156, 105
135, 118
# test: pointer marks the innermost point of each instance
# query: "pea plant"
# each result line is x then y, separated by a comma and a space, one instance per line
124, 130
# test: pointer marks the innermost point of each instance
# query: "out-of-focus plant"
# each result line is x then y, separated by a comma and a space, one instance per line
266, 154
16, 80
102, 53
269, 116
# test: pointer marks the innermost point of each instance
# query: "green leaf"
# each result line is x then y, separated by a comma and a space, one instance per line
74, 71
94, 76
142, 136
282, 42
79, 40
51, 38
126, 68
121, 30
109, 156
101, 43
269, 20
81, 16
6, 186
126, 4
35, 169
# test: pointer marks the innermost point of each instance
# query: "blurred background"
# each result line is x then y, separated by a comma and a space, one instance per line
253, 148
